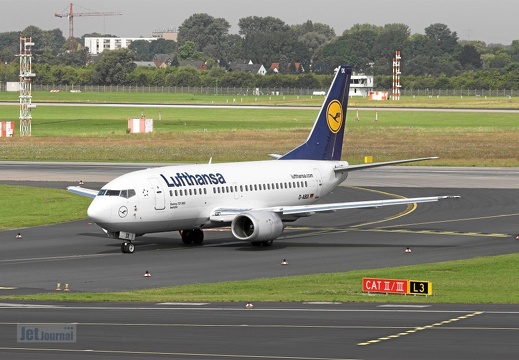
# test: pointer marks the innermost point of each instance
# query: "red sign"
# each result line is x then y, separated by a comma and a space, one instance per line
384, 285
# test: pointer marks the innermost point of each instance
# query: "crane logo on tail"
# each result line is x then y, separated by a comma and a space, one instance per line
334, 117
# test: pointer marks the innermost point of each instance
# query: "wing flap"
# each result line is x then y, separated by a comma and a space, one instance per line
305, 209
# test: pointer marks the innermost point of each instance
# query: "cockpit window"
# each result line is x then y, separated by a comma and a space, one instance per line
128, 193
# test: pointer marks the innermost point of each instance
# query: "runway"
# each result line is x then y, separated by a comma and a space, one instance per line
483, 222
268, 331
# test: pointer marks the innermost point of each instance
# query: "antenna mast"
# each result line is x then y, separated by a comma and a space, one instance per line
25, 85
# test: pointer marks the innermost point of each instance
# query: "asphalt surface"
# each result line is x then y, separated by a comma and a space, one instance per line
483, 222
267, 331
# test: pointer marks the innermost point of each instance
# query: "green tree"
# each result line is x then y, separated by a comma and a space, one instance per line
514, 51
392, 37
312, 35
46, 43
187, 76
206, 32
308, 80
141, 50
441, 39
74, 58
187, 51
162, 46
237, 79
114, 67
233, 46
499, 60
145, 50
253, 25
9, 71
267, 40
335, 53
362, 39
470, 58
9, 46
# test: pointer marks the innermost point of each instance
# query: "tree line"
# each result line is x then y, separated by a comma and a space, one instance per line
436, 59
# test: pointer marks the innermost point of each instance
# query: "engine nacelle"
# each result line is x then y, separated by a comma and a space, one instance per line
256, 226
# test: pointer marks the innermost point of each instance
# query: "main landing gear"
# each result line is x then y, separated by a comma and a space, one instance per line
194, 236
127, 247
262, 243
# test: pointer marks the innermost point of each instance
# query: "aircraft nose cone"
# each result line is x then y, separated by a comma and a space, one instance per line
99, 211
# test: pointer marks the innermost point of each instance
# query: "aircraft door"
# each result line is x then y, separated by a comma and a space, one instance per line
236, 190
160, 196
318, 183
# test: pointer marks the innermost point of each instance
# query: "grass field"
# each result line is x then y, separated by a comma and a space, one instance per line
64, 133
480, 280
194, 135
17, 208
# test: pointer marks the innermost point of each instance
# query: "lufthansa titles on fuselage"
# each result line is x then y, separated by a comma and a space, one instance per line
301, 176
186, 179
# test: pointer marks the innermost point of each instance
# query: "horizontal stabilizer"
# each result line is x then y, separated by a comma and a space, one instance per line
343, 169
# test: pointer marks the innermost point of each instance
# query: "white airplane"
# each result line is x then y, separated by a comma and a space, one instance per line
255, 198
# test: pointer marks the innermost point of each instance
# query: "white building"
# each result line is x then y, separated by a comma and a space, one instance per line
97, 45
361, 85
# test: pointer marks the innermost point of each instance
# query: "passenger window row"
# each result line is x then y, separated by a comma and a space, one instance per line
186, 192
128, 193
242, 188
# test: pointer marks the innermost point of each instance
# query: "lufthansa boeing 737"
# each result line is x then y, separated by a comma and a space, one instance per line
256, 199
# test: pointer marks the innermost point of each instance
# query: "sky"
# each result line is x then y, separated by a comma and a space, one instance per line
491, 21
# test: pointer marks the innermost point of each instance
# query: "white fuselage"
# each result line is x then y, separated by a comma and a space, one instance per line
185, 196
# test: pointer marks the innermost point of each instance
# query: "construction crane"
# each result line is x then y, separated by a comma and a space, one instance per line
70, 15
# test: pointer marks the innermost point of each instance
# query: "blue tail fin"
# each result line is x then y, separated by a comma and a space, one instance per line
325, 139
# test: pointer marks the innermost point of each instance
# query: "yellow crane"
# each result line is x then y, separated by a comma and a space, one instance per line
71, 14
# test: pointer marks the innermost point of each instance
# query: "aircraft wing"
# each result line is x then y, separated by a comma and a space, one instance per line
342, 169
306, 210
227, 214
83, 191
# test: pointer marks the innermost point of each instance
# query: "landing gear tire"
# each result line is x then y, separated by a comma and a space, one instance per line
127, 247
262, 243
194, 236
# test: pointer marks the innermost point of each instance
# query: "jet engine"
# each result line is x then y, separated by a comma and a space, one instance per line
257, 226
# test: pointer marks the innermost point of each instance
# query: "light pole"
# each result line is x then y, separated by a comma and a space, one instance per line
5, 75
371, 63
